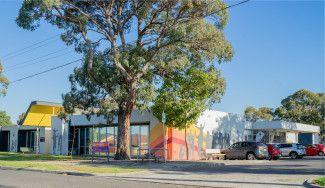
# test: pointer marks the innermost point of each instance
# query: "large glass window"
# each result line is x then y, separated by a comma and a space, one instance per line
102, 134
82, 137
111, 136
139, 138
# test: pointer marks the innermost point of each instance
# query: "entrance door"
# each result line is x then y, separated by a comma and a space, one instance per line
139, 138
4, 141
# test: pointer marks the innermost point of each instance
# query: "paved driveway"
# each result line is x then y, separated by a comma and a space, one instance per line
237, 173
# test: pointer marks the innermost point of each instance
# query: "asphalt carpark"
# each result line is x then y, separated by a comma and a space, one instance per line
284, 172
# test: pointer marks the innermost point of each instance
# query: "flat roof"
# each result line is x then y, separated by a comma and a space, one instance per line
284, 125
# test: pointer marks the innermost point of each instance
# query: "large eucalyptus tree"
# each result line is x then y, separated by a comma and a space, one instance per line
131, 47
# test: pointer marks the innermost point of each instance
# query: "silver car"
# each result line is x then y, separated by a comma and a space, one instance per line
295, 151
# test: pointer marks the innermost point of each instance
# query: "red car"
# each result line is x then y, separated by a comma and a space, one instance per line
274, 151
315, 149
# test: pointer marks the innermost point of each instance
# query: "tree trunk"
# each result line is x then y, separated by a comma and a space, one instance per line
124, 117
123, 136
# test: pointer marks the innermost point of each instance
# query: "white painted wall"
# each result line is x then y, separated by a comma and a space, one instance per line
59, 137
315, 138
291, 137
223, 129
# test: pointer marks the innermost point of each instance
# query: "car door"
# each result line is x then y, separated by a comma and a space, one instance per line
309, 149
243, 149
314, 149
285, 149
232, 152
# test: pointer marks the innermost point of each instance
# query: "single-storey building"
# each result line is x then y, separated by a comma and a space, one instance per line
45, 132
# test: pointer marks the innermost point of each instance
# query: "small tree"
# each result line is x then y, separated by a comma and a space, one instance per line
21, 118
185, 95
119, 75
3, 82
4, 119
261, 114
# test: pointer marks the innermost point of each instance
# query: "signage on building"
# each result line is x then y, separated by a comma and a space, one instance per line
100, 147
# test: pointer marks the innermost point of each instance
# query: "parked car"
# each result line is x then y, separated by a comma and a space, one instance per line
246, 150
315, 149
274, 151
295, 151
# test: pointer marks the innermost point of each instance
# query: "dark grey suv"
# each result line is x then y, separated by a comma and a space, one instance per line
246, 150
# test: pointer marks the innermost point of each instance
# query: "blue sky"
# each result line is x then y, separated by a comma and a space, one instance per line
279, 48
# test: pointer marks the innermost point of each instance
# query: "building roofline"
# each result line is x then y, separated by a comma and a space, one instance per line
42, 103
45, 103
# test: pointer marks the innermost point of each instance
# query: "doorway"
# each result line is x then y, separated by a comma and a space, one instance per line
4, 141
28, 139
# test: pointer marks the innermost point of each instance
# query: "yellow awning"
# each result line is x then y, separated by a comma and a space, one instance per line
39, 113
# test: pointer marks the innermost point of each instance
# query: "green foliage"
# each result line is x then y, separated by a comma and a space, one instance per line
21, 118
4, 119
320, 181
261, 114
183, 97
4, 82
303, 107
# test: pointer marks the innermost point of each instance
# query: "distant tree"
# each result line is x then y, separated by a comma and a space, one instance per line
303, 107
119, 75
261, 114
4, 82
4, 119
21, 118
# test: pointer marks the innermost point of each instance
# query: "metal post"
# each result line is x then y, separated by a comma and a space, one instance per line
163, 119
37, 141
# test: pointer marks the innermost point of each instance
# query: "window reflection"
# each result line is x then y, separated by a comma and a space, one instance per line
80, 138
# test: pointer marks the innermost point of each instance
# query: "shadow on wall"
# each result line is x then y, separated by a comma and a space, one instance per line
228, 130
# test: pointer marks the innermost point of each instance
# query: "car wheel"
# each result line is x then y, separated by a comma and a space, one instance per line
321, 153
293, 155
276, 158
250, 156
300, 157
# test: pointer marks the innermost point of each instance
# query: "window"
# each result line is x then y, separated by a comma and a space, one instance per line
285, 145
111, 136
245, 144
82, 137
139, 138
236, 145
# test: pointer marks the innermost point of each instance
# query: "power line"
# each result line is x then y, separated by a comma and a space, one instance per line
28, 50
54, 68
26, 63
233, 5
43, 72
25, 49
40, 57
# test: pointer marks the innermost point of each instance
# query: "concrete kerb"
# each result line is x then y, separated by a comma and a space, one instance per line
47, 171
154, 181
97, 176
